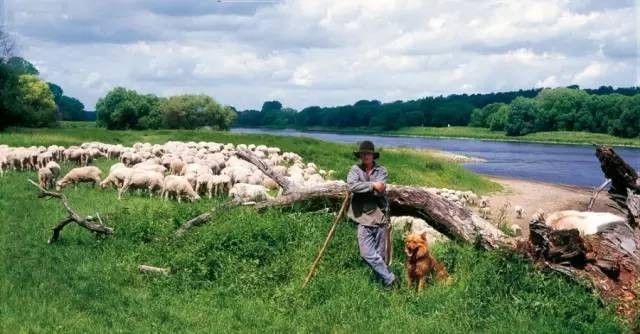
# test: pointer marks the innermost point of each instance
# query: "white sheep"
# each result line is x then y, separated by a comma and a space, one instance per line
89, 174
117, 176
520, 212
45, 178
55, 169
586, 223
485, 212
176, 166
484, 202
178, 186
244, 193
142, 179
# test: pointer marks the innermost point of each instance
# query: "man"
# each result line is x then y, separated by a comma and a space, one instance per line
369, 208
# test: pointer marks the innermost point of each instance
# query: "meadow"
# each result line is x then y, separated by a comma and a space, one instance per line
242, 272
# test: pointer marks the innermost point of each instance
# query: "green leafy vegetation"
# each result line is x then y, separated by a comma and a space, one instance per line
242, 272
123, 108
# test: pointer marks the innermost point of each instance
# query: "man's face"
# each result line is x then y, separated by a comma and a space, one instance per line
366, 158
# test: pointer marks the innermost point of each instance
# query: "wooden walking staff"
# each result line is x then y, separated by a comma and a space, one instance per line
332, 232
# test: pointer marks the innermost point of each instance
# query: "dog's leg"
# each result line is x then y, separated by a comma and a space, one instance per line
421, 282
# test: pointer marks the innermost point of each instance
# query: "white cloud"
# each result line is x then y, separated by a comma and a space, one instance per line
325, 52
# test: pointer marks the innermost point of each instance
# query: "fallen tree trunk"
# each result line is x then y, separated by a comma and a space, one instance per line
93, 224
445, 216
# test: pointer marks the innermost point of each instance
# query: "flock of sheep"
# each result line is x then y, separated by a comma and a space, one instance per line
183, 170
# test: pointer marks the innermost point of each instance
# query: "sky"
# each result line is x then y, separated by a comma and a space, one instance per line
317, 52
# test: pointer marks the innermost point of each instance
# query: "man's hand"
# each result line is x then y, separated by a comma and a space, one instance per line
379, 187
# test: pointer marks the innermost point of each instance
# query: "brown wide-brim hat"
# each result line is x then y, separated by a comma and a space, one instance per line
366, 147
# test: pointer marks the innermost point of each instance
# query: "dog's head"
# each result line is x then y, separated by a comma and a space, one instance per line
416, 244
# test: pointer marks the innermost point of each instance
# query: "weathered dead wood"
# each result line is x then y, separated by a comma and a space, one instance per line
445, 216
281, 180
625, 183
195, 221
145, 269
596, 192
93, 224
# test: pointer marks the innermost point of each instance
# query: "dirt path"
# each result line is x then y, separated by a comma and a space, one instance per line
549, 197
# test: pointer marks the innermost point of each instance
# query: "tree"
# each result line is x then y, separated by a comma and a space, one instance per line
121, 108
29, 102
628, 125
71, 108
498, 120
521, 119
479, 116
22, 66
193, 111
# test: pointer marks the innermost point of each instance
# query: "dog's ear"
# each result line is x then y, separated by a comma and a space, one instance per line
405, 235
424, 236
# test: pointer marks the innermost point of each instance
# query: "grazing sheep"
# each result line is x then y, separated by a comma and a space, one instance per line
150, 167
80, 174
485, 212
516, 230
178, 186
142, 179
470, 197
244, 193
176, 166
45, 178
116, 166
117, 176
54, 168
520, 212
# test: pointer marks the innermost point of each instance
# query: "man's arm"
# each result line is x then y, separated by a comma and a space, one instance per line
355, 184
381, 177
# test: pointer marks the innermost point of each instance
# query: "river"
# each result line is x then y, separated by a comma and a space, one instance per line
556, 163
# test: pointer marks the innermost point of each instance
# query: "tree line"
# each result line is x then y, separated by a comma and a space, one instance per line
26, 99
567, 109
124, 108
571, 108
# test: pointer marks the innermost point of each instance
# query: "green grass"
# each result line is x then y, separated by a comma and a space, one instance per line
557, 137
567, 137
242, 271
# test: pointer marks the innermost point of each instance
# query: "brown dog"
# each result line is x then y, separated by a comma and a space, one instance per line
419, 261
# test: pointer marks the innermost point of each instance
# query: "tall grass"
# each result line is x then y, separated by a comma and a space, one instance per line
242, 271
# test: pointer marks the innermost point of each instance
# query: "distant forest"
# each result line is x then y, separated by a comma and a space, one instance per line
606, 109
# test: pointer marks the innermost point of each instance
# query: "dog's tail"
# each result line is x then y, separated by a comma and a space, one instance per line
441, 271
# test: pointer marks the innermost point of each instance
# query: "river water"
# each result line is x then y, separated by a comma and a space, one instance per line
556, 163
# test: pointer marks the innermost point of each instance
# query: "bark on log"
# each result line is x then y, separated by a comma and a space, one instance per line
625, 183
92, 224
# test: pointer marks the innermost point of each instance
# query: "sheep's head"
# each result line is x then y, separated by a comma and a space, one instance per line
60, 184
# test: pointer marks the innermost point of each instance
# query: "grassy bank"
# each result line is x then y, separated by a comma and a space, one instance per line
242, 272
554, 137
565, 137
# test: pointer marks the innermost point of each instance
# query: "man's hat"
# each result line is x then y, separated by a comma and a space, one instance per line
366, 147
